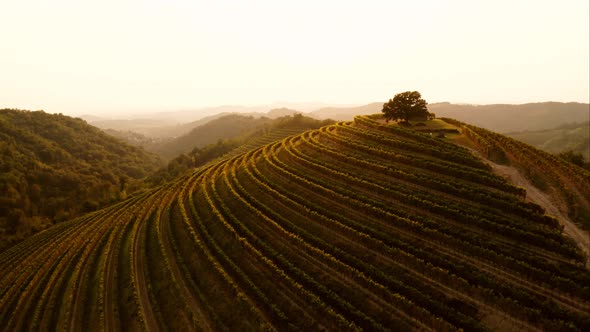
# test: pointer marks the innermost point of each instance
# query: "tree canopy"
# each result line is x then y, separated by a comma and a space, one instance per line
406, 106
574, 158
54, 168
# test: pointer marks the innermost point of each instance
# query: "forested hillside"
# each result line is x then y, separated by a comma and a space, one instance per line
55, 167
249, 139
565, 182
354, 226
230, 126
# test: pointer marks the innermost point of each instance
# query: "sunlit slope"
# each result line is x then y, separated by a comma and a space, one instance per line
354, 226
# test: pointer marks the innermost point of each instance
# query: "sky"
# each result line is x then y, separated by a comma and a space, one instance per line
116, 56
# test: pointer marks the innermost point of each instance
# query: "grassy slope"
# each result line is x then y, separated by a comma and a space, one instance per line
353, 226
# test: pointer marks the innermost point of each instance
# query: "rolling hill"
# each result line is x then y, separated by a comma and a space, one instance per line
174, 124
574, 137
54, 168
156, 129
226, 127
230, 127
354, 226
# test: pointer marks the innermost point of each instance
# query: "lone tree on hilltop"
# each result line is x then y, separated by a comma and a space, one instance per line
406, 106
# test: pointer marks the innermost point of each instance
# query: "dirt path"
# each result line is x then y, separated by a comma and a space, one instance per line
549, 203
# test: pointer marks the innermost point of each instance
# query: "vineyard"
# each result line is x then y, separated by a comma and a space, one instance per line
355, 226
548, 172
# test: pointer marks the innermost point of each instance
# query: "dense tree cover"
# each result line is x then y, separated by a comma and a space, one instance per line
54, 167
134, 138
267, 131
405, 106
575, 158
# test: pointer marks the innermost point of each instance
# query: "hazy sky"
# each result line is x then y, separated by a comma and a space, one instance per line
102, 57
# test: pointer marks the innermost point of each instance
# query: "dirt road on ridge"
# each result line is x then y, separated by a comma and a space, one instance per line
550, 204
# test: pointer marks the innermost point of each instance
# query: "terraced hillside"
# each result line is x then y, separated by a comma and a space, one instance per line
568, 183
356, 226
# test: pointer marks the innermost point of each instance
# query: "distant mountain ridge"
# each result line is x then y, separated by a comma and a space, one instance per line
497, 117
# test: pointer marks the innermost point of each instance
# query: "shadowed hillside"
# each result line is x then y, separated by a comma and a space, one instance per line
355, 226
